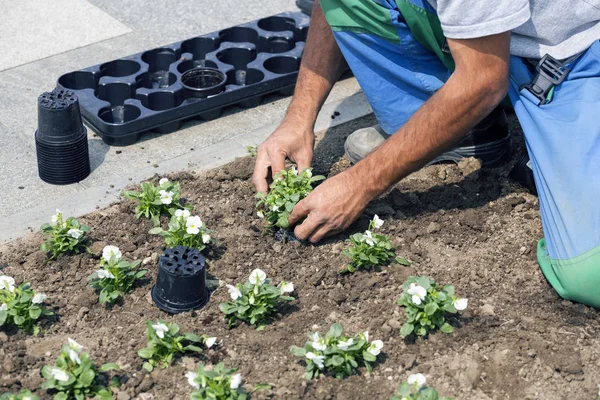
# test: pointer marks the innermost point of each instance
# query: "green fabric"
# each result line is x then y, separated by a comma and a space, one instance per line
576, 279
360, 16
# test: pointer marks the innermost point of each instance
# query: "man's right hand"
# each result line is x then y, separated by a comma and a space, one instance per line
287, 142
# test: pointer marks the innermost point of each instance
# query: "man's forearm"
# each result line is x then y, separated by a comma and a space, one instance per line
322, 65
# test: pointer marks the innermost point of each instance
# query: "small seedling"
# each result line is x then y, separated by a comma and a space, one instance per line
116, 276
287, 189
22, 395
255, 302
219, 383
66, 236
75, 376
20, 306
370, 249
427, 306
184, 230
165, 342
337, 354
154, 201
252, 150
414, 389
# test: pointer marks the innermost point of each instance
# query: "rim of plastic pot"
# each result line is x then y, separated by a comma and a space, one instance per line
203, 81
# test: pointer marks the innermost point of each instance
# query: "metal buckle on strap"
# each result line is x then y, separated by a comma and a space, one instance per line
550, 73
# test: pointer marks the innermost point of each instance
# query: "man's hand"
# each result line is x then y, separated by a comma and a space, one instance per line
330, 208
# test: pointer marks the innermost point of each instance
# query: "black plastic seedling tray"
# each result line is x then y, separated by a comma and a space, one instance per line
124, 98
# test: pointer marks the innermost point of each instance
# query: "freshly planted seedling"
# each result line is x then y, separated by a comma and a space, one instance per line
154, 201
255, 302
370, 249
75, 376
22, 395
165, 342
66, 236
287, 189
219, 383
116, 276
414, 389
427, 306
184, 230
337, 354
20, 306
252, 150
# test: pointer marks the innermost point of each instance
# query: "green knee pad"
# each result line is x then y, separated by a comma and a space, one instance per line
576, 279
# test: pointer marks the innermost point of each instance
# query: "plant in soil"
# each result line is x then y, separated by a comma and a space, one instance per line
428, 305
20, 306
219, 383
287, 189
414, 389
165, 342
370, 249
252, 150
184, 230
154, 201
74, 376
22, 395
340, 355
116, 276
255, 301
66, 236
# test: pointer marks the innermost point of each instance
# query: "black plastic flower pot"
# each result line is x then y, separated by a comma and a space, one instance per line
61, 139
181, 282
203, 82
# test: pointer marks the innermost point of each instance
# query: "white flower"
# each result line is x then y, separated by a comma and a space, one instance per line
74, 345
111, 251
104, 274
294, 171
318, 360
210, 342
191, 377
166, 197
236, 381
375, 347
257, 277
3, 307
343, 345
163, 180
75, 233
369, 238
318, 343
287, 287
160, 329
56, 217
460, 304
377, 222
418, 293
234, 292
260, 214
205, 238
182, 213
308, 173
39, 298
275, 208
7, 282
59, 374
74, 356
193, 225
416, 379
366, 335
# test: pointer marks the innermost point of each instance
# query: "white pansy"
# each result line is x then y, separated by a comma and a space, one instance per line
416, 379
366, 335
111, 251
318, 343
210, 342
193, 225
377, 222
104, 274
260, 214
182, 213
7, 282
308, 173
343, 345
375, 347
56, 217
318, 360
75, 233
74, 356
460, 304
275, 208
257, 277
166, 197
3, 307
191, 377
368, 236
234, 292
287, 287
59, 374
160, 329
74, 345
163, 181
205, 238
418, 293
236, 381
294, 171
39, 298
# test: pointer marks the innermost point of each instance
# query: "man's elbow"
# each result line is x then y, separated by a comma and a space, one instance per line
495, 91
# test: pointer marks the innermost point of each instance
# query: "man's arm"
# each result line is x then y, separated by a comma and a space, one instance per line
322, 65
478, 84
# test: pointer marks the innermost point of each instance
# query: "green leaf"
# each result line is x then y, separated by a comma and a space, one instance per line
155, 231
192, 337
87, 377
431, 308
148, 367
60, 396
34, 313
406, 329
298, 351
194, 348
108, 367
146, 352
335, 330
446, 328
402, 261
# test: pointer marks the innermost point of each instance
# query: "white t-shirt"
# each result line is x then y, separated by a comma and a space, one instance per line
561, 28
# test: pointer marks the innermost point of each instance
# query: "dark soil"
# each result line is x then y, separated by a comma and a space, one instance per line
517, 339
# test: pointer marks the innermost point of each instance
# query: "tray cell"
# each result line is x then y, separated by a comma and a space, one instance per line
244, 77
277, 24
282, 64
159, 101
119, 114
78, 80
239, 34
189, 64
239, 57
200, 47
119, 68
